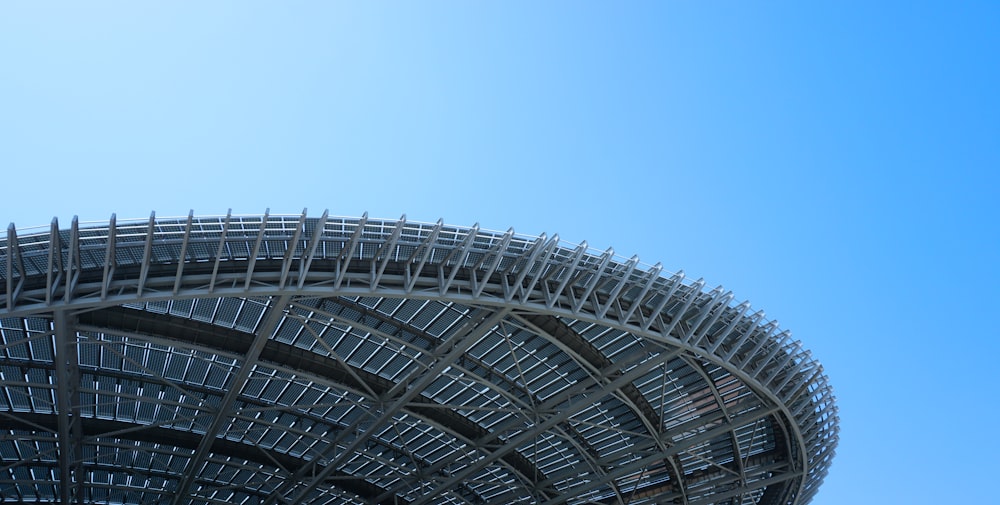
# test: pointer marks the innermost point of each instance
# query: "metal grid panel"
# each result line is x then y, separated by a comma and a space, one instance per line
257, 359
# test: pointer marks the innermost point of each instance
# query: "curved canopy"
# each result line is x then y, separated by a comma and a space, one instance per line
322, 360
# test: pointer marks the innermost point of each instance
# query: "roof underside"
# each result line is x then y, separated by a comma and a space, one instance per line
289, 359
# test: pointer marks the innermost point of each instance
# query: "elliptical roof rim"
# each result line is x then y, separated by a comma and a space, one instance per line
36, 230
40, 230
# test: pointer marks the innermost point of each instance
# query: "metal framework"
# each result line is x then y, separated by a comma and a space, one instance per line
326, 360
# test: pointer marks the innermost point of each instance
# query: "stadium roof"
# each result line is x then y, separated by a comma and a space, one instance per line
294, 359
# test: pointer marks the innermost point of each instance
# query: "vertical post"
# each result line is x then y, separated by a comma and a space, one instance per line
68, 409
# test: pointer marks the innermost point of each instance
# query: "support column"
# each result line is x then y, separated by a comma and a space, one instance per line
68, 408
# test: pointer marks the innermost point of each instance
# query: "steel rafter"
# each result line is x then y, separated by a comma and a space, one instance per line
592, 360
194, 336
519, 462
100, 429
478, 324
562, 407
189, 335
520, 465
67, 405
275, 314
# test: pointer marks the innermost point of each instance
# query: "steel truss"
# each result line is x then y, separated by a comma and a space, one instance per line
292, 359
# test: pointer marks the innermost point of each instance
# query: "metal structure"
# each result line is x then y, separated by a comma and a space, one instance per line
326, 360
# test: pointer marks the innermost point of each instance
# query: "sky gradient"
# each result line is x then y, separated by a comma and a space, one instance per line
835, 163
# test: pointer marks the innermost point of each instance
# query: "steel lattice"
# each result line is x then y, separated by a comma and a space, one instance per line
289, 359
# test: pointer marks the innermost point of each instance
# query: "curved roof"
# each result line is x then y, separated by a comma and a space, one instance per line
294, 359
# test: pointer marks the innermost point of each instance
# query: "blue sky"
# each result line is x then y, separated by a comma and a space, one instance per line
833, 162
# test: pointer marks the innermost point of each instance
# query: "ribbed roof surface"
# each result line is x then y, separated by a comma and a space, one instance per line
296, 359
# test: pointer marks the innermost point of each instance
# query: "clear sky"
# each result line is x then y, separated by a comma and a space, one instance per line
833, 162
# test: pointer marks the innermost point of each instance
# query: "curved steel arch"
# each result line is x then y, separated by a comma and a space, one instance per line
206, 337
611, 357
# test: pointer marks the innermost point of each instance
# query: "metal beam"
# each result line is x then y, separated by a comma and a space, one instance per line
209, 338
516, 462
310, 252
616, 291
11, 252
596, 278
479, 324
542, 255
73, 269
225, 448
643, 461
593, 360
676, 281
54, 270
111, 257
264, 330
182, 254
147, 254
220, 250
293, 244
384, 253
564, 405
67, 408
568, 273
457, 258
427, 246
252, 260
496, 253
347, 253
717, 395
